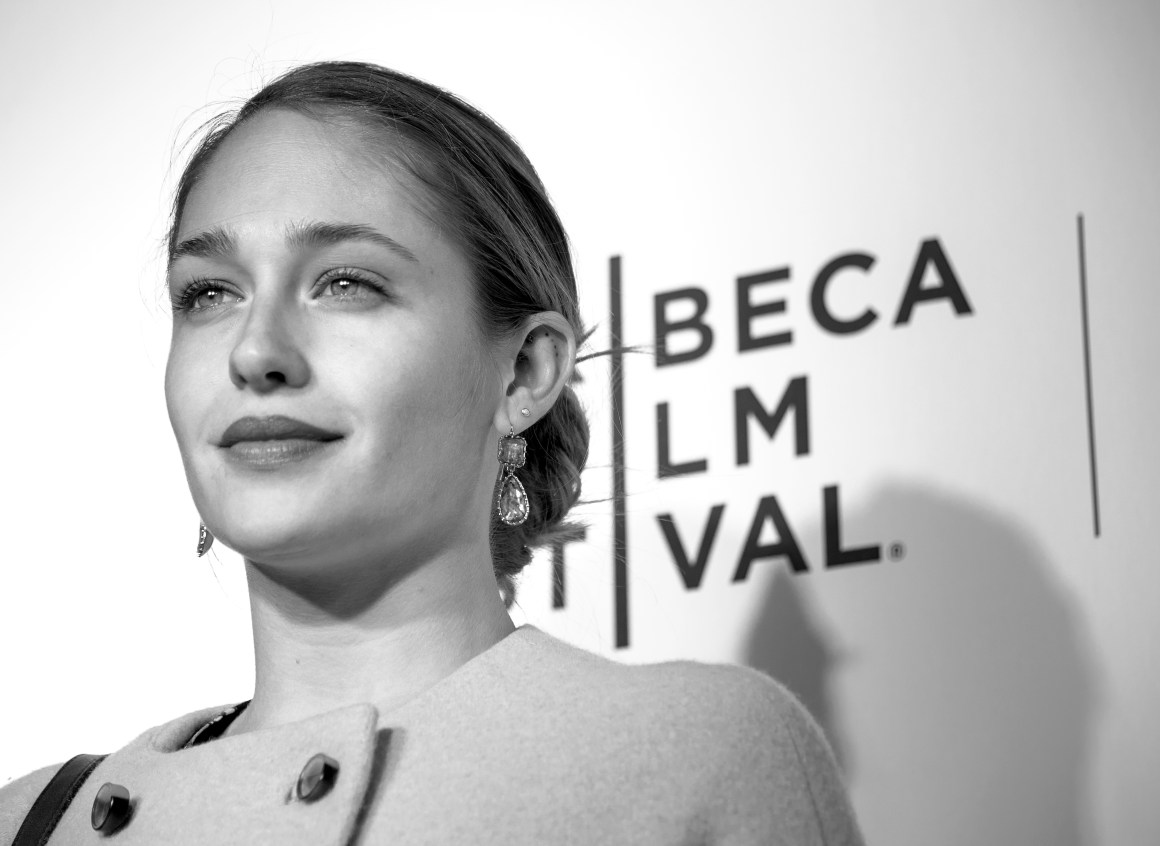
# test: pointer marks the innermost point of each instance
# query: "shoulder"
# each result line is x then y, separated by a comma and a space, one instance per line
738, 716
732, 701
17, 797
776, 776
732, 737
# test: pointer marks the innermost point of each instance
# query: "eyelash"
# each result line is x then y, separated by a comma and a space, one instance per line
184, 302
353, 275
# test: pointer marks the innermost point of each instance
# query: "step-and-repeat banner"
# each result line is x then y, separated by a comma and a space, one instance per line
876, 287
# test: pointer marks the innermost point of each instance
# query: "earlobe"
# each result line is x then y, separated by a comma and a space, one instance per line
543, 364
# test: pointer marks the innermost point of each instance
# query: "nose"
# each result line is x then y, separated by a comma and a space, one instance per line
269, 353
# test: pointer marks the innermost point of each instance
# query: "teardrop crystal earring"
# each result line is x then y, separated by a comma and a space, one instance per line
204, 540
511, 500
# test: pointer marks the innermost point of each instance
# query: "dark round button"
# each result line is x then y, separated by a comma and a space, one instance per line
317, 777
110, 808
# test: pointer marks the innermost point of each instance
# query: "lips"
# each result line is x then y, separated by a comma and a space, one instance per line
274, 428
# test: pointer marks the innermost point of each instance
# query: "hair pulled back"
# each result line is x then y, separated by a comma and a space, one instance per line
489, 197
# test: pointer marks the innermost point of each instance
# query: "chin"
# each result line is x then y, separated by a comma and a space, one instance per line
324, 523
269, 519
304, 539
270, 541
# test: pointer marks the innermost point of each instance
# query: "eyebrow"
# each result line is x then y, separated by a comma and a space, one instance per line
213, 243
220, 241
319, 234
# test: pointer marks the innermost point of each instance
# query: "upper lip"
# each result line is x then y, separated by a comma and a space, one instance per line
274, 428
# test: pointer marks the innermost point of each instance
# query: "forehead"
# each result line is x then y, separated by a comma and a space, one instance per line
285, 166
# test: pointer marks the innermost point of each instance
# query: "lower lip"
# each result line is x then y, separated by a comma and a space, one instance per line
269, 455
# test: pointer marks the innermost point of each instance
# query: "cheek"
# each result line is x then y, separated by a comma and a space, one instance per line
189, 390
442, 395
181, 403
433, 411
178, 394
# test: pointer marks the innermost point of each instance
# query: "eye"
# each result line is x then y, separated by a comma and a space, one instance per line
344, 287
203, 295
348, 285
211, 297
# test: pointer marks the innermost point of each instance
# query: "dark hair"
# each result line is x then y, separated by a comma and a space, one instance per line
488, 195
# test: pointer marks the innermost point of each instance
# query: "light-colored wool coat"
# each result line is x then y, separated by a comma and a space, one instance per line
531, 742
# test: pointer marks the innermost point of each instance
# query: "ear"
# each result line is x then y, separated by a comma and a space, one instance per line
539, 364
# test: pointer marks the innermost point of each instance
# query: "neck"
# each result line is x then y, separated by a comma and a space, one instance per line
377, 640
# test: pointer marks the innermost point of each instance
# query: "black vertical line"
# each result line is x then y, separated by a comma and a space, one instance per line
619, 517
558, 575
1087, 373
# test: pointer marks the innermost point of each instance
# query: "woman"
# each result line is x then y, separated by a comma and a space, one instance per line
371, 291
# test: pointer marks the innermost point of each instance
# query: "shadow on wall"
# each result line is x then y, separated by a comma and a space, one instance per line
791, 645
969, 689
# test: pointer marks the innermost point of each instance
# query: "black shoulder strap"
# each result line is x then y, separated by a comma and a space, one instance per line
52, 802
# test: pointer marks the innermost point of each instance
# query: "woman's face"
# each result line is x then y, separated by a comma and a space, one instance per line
332, 395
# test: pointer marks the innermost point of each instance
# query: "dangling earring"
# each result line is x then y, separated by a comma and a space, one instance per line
511, 500
204, 540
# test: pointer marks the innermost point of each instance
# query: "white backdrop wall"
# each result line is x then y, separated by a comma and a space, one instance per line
989, 674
